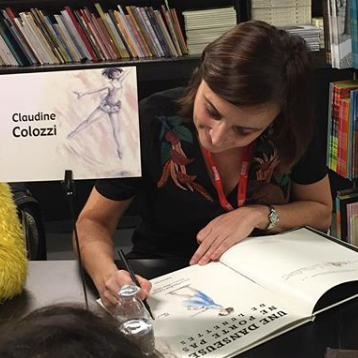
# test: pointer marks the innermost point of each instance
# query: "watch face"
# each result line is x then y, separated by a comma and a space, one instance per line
273, 218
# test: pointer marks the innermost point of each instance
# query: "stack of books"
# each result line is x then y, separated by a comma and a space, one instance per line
318, 22
309, 33
281, 13
75, 35
342, 133
204, 26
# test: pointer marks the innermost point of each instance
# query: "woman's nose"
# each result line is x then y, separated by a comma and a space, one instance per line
218, 132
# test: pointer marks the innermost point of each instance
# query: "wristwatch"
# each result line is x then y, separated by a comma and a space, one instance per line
273, 217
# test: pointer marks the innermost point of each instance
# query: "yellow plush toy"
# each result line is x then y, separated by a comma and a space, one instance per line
13, 259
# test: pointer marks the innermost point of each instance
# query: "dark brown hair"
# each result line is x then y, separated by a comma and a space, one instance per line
68, 331
255, 64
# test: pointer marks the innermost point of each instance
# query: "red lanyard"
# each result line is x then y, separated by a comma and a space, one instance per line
243, 178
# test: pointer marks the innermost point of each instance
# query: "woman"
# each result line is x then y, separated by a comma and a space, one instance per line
231, 155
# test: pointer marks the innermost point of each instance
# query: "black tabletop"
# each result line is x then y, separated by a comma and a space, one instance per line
59, 281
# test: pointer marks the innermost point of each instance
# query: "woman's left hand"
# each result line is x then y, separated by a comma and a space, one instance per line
226, 230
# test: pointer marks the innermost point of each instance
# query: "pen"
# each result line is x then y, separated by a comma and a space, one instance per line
134, 278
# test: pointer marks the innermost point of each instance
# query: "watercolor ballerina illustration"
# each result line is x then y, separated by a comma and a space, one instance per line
197, 300
109, 107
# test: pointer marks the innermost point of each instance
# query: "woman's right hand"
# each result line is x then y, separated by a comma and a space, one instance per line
115, 280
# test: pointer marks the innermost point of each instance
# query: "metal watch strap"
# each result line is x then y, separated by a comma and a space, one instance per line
273, 218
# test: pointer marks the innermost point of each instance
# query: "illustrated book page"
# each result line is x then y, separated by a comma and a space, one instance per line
214, 311
299, 264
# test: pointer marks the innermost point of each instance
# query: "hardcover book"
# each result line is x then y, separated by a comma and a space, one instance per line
259, 289
80, 120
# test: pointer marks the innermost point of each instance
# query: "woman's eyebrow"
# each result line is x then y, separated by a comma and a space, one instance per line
212, 106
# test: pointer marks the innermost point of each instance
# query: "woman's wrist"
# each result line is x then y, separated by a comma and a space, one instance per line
261, 218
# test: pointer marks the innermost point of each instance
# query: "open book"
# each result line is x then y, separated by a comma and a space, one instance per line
260, 288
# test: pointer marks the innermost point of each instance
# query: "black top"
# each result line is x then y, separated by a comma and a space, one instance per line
178, 197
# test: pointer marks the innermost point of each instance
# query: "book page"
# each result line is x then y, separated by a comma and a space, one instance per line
299, 265
212, 310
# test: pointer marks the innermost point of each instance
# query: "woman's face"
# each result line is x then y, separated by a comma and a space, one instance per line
222, 126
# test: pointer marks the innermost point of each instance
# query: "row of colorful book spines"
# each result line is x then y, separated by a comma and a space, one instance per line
343, 157
342, 143
89, 36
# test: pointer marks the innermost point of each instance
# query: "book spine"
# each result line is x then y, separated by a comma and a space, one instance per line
73, 35
32, 39
62, 30
132, 28
171, 30
52, 42
122, 34
87, 17
168, 39
150, 31
109, 33
158, 31
353, 11
82, 40
6, 54
179, 32
108, 42
88, 33
146, 34
125, 32
118, 36
12, 43
342, 153
10, 16
135, 23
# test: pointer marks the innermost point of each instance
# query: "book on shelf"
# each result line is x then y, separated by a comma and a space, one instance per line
352, 225
340, 34
259, 289
318, 22
67, 38
204, 26
12, 43
9, 19
90, 20
74, 35
148, 31
166, 34
326, 31
127, 33
53, 37
353, 15
112, 33
343, 199
309, 33
282, 13
279, 3
121, 33
342, 128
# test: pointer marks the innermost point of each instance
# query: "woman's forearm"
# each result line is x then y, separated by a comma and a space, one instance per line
96, 246
297, 214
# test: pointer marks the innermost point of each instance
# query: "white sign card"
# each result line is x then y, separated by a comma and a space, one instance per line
81, 120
